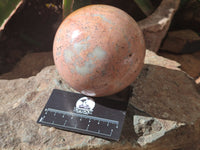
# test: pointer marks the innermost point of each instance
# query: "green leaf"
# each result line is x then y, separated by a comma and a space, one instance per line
7, 9
146, 6
67, 7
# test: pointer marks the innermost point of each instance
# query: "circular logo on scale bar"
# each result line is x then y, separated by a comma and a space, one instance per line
84, 105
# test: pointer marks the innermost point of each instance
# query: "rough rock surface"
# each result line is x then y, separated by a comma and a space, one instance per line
30, 65
181, 41
189, 62
150, 129
163, 112
153, 59
198, 80
170, 94
156, 25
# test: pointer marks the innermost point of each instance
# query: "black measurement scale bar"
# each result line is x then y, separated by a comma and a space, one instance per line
102, 117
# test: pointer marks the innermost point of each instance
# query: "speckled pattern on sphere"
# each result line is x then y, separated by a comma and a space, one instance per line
99, 50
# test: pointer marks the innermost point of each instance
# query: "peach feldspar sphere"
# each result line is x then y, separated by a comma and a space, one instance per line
99, 50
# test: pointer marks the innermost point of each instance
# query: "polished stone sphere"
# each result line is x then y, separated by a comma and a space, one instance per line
99, 50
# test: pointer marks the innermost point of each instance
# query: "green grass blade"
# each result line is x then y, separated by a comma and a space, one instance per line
67, 7
146, 6
7, 8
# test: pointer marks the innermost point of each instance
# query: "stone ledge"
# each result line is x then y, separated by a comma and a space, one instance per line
163, 112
